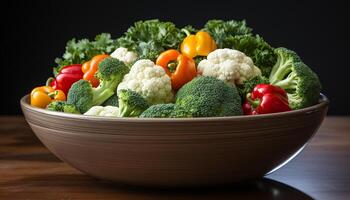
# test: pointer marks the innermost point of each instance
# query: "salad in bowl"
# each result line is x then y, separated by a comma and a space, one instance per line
158, 70
169, 106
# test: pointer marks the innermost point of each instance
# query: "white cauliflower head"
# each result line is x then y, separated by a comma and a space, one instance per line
229, 65
108, 111
125, 56
150, 81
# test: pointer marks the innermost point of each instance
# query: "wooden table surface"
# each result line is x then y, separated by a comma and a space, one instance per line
29, 171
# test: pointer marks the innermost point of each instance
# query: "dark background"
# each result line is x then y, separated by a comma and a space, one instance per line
36, 33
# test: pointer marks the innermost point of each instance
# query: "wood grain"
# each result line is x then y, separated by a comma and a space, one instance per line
29, 171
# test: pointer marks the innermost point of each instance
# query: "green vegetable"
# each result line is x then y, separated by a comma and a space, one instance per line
222, 30
131, 104
209, 97
198, 59
62, 106
166, 111
236, 35
190, 29
300, 82
112, 101
151, 37
257, 49
84, 96
78, 52
248, 85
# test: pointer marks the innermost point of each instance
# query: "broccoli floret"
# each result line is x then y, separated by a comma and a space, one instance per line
62, 106
110, 73
249, 85
81, 95
165, 111
131, 104
297, 79
209, 97
112, 101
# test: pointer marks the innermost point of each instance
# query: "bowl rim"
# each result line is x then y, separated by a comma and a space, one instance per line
24, 102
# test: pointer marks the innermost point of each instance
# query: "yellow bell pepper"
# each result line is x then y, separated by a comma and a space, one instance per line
44, 95
200, 44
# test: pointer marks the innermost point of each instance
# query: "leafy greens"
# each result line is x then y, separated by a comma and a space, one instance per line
222, 30
149, 38
80, 51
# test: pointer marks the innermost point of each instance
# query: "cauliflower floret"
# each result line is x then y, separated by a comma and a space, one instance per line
228, 65
150, 81
125, 56
108, 111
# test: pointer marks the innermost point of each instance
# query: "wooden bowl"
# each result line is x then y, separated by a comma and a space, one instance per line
176, 152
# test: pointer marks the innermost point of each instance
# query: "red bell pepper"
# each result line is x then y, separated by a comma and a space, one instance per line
266, 98
67, 76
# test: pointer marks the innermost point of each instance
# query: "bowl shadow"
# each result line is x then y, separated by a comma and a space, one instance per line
71, 185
